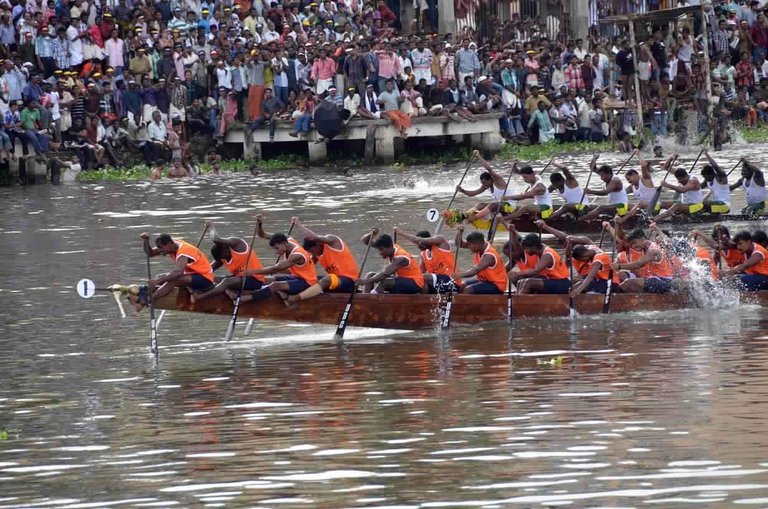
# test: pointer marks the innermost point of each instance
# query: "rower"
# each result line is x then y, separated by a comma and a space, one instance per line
753, 181
753, 270
721, 242
542, 199
191, 269
618, 203
513, 249
334, 256
292, 258
717, 181
488, 268
595, 266
648, 262
402, 275
437, 261
551, 269
232, 253
576, 202
492, 182
760, 237
569, 242
641, 184
691, 201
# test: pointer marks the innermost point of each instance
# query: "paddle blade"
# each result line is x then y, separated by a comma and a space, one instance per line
342, 323
608, 290
446, 321
232, 321
248, 327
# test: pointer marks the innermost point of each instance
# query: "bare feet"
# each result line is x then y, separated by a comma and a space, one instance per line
231, 294
292, 300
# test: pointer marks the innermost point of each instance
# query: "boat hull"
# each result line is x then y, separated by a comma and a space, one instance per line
421, 311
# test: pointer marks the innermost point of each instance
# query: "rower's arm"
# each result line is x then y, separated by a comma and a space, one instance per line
645, 169
576, 240
737, 184
751, 261
712, 162
260, 229
474, 192
697, 235
368, 237
597, 192
331, 240
593, 270
569, 178
561, 236
485, 262
177, 272
215, 265
278, 267
545, 261
149, 250
390, 269
647, 258
676, 188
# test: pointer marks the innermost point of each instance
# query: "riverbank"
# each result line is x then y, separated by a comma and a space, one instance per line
457, 154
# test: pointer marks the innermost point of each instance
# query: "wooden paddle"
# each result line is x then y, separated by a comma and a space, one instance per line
151, 303
547, 166
652, 204
342, 327
236, 310
509, 281
569, 260
741, 161
609, 284
446, 321
455, 192
493, 226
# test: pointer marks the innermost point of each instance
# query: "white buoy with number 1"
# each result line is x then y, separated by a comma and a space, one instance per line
86, 288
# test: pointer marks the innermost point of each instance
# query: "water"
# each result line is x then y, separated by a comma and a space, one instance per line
647, 409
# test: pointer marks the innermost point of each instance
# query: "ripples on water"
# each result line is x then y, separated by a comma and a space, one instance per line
658, 409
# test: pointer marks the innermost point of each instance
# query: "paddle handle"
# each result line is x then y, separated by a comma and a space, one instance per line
492, 228
455, 193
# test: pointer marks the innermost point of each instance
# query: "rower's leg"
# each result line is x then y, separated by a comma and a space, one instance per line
313, 291
592, 214
532, 285
679, 208
525, 209
565, 209
168, 287
385, 286
228, 283
486, 211
369, 287
634, 285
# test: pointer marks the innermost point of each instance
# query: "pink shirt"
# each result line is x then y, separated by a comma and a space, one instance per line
323, 69
389, 65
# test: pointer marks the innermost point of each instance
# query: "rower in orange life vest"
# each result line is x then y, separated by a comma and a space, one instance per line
437, 261
402, 275
596, 270
489, 271
753, 271
293, 258
721, 242
334, 255
191, 269
550, 275
648, 263
232, 253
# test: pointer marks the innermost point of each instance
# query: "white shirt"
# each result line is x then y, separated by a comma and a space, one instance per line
157, 132
114, 48
75, 46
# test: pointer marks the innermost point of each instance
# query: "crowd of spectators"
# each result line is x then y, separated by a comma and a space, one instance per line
105, 77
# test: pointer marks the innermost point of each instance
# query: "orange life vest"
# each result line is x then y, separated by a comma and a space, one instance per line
762, 267
410, 271
582, 268
558, 270
236, 264
527, 262
438, 261
732, 257
306, 270
198, 263
703, 254
604, 273
339, 262
496, 273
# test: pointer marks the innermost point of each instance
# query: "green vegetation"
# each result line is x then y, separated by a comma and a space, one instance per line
141, 172
547, 151
755, 134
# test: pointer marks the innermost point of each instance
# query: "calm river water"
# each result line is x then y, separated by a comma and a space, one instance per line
664, 409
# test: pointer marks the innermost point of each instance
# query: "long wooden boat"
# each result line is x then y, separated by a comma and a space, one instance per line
568, 225
421, 311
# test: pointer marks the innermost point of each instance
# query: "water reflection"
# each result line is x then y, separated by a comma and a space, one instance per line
663, 408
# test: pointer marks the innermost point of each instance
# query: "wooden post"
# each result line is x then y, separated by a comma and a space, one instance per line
712, 123
638, 99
